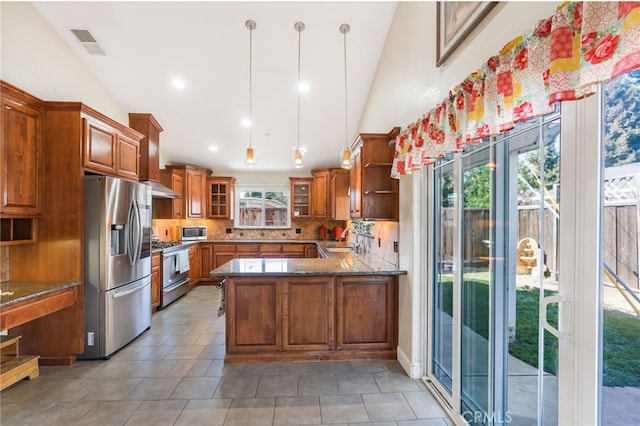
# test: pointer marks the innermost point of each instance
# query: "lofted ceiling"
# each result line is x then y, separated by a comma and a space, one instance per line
148, 44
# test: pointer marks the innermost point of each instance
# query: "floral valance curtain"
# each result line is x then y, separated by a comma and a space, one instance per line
562, 58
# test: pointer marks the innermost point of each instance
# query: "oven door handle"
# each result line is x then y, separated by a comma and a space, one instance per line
178, 284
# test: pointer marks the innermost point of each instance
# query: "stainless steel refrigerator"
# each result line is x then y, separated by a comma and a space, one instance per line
117, 263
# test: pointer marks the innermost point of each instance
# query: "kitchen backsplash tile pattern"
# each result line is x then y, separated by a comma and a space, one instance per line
167, 230
381, 243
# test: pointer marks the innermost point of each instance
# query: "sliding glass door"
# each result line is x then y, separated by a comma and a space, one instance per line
495, 217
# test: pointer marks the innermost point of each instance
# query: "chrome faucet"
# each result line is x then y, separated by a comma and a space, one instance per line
344, 233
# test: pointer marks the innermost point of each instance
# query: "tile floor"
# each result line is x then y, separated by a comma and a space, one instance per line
175, 374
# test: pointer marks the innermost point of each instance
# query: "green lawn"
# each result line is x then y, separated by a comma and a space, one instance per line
621, 331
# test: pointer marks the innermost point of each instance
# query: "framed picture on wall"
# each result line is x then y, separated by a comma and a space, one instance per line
455, 21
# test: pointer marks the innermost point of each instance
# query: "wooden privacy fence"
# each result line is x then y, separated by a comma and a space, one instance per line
620, 238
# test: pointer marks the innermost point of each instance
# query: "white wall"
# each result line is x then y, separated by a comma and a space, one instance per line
34, 58
408, 84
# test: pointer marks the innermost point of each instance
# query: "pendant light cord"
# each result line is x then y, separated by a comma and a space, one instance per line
251, 27
299, 28
344, 29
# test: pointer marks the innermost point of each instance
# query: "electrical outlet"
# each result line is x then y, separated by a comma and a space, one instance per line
298, 231
90, 339
228, 230
395, 246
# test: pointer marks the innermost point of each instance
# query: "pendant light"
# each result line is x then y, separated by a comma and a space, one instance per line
250, 154
297, 152
345, 154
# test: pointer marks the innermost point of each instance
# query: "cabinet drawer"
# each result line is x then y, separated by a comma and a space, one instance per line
226, 248
270, 248
246, 248
293, 248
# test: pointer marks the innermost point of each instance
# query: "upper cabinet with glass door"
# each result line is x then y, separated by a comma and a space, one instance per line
302, 198
220, 190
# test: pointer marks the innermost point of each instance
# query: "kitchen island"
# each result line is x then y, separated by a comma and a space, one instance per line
310, 309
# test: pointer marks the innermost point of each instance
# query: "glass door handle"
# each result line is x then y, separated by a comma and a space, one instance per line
558, 298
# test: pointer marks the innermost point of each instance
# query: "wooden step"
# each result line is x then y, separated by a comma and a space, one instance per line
8, 340
9, 348
17, 369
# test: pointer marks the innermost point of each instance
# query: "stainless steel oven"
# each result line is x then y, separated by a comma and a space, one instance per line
175, 274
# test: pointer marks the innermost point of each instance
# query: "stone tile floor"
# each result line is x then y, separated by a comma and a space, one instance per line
175, 374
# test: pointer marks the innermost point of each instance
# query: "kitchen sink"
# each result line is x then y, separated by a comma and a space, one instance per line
340, 249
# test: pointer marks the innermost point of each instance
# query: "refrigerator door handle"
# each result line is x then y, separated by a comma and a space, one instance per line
139, 287
135, 233
139, 235
131, 244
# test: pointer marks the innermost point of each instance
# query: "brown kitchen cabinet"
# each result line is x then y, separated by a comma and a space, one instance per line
308, 314
331, 194
221, 198
311, 317
156, 280
255, 322
194, 261
247, 250
293, 251
149, 164
270, 250
170, 208
310, 251
191, 183
374, 194
21, 163
108, 149
301, 198
321, 193
374, 298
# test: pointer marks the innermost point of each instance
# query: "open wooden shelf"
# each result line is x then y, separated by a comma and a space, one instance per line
15, 367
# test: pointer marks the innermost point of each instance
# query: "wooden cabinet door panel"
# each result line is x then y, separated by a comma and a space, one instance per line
99, 148
195, 200
310, 251
370, 298
307, 314
156, 280
207, 261
255, 321
320, 194
128, 157
21, 158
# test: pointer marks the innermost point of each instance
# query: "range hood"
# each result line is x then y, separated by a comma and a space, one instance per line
160, 191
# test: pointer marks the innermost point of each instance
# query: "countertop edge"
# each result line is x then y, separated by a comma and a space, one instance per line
48, 287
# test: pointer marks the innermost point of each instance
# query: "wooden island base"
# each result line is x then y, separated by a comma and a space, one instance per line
302, 318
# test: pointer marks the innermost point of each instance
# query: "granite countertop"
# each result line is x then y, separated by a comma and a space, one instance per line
12, 292
287, 267
332, 263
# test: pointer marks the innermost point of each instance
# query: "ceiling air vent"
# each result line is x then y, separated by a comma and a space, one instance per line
88, 41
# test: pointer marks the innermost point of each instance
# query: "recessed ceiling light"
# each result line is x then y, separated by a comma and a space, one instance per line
178, 83
213, 148
304, 87
246, 122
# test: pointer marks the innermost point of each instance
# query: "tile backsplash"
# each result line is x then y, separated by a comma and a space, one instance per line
168, 229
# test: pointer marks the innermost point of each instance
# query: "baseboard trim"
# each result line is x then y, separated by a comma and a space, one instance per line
413, 369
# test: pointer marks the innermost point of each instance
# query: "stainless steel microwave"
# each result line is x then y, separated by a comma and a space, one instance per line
191, 233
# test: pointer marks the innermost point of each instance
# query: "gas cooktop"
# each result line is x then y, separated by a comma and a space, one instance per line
164, 244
